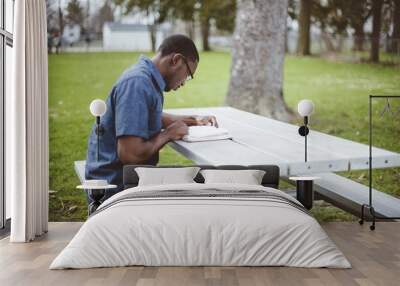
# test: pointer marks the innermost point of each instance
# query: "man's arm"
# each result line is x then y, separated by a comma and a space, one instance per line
136, 150
189, 120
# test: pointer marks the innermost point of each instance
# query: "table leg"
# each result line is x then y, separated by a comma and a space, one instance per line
305, 193
96, 195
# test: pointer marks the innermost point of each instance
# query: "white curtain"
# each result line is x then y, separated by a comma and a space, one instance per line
27, 124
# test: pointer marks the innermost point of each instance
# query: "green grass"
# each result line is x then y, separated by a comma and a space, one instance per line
339, 90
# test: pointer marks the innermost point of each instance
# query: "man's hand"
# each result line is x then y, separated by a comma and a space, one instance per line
177, 130
206, 120
189, 120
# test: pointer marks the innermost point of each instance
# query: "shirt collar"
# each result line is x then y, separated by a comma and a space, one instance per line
154, 71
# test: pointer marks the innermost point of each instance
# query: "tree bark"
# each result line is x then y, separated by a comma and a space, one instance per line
61, 26
152, 31
396, 28
376, 30
286, 41
258, 50
328, 41
205, 33
190, 29
359, 37
303, 44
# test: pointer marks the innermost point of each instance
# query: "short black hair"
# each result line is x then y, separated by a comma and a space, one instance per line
179, 44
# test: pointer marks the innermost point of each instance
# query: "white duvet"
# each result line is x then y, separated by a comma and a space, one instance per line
183, 231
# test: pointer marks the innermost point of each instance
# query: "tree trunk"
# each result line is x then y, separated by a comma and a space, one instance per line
153, 30
61, 21
258, 50
287, 41
359, 37
190, 29
205, 33
61, 26
396, 28
340, 43
376, 30
303, 43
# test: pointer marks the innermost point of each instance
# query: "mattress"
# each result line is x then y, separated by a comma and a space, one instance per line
201, 225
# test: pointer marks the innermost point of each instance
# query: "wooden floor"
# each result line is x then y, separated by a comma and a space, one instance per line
375, 257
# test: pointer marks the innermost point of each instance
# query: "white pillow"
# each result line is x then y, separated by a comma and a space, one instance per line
163, 176
249, 177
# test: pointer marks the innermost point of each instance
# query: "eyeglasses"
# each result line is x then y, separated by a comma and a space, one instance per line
190, 76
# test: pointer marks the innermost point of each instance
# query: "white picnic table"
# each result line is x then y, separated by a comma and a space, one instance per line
261, 140
257, 140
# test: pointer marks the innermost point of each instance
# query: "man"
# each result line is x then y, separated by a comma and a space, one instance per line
135, 128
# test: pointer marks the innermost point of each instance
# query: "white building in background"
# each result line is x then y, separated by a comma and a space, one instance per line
71, 34
129, 37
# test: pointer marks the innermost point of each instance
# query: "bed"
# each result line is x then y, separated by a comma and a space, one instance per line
199, 224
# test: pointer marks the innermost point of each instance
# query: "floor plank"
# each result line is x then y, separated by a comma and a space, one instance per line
375, 257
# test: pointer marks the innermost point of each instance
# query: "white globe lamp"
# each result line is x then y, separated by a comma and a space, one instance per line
98, 108
305, 108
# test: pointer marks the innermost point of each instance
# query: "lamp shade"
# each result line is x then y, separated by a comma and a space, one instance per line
98, 107
305, 107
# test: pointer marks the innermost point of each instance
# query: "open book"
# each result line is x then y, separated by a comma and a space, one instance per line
206, 133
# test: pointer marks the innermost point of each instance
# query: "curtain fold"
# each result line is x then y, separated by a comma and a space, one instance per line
27, 122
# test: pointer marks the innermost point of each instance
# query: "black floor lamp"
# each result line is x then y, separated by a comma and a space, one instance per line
305, 109
98, 108
304, 184
369, 206
96, 188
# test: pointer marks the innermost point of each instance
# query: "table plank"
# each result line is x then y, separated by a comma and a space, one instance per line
226, 152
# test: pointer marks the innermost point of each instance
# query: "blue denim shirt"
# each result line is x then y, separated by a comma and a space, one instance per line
134, 107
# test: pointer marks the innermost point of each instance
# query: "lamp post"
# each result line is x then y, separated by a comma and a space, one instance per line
305, 108
98, 107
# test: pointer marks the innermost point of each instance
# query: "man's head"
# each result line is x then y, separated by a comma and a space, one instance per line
177, 58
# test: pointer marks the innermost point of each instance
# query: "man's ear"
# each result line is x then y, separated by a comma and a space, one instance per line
175, 59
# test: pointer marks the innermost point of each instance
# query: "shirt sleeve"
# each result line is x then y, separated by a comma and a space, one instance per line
132, 108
